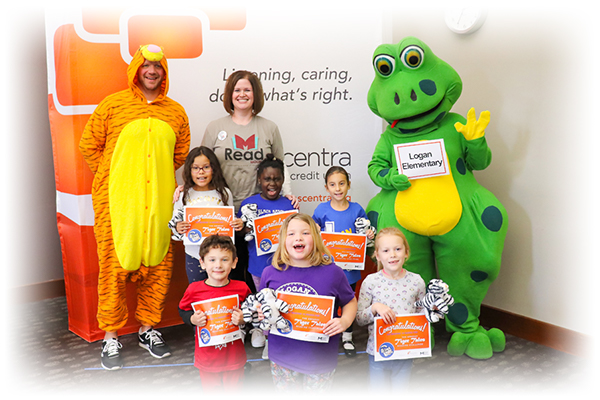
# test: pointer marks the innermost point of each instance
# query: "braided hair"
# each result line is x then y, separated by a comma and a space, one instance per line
270, 161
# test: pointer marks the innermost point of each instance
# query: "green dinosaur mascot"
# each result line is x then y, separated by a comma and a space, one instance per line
453, 224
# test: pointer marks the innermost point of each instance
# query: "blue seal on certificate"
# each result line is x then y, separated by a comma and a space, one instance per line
265, 245
287, 329
194, 236
386, 350
204, 336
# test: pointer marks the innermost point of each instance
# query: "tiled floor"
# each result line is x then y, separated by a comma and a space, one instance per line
51, 360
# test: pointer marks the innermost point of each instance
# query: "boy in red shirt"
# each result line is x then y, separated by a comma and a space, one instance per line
221, 366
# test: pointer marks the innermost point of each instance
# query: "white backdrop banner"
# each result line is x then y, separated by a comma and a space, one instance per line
315, 66
316, 69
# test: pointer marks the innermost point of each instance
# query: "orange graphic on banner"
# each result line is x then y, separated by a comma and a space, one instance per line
89, 71
100, 20
179, 36
226, 18
72, 172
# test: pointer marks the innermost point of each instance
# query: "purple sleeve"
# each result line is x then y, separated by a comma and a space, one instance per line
265, 278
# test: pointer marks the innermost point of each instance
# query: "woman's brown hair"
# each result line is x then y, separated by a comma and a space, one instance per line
259, 98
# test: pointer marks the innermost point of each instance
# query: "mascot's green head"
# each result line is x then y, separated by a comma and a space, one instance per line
412, 88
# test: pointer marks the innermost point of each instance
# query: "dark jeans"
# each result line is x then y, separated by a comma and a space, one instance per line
240, 273
193, 270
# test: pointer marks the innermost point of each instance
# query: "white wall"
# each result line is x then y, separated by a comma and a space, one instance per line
30, 238
530, 68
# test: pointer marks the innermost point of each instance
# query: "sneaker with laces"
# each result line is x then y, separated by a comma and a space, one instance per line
110, 357
348, 344
152, 341
257, 338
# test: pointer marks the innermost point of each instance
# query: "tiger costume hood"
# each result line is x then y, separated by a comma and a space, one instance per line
148, 52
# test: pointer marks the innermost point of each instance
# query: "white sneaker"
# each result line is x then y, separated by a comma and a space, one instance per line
258, 338
110, 357
265, 354
348, 344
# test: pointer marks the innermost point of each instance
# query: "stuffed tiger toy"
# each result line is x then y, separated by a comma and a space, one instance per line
249, 212
271, 307
362, 225
436, 301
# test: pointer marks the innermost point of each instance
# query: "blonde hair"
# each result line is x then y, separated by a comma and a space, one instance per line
319, 254
392, 232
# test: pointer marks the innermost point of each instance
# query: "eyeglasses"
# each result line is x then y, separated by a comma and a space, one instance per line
206, 169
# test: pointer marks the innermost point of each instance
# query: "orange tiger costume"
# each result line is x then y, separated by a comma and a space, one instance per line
133, 148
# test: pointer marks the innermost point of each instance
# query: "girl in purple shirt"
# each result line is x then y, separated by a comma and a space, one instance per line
302, 264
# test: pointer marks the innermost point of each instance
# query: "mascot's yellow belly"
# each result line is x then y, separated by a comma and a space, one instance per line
430, 207
141, 186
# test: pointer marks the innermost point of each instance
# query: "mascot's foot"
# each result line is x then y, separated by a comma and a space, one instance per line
479, 345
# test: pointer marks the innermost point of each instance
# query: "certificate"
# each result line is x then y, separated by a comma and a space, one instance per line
423, 159
218, 329
206, 221
306, 316
408, 337
266, 231
348, 249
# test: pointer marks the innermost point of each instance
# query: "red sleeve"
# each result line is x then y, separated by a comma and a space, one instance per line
245, 292
188, 298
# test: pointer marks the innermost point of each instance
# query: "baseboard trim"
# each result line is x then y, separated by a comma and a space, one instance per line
40, 291
539, 332
535, 331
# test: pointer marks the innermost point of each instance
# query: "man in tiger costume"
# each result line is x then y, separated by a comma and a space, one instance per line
133, 142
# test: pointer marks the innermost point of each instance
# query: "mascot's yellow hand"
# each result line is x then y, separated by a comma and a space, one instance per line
474, 129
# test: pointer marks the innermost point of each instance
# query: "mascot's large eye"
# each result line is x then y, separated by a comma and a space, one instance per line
384, 64
412, 57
